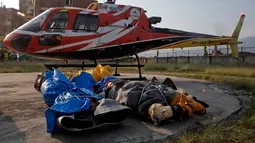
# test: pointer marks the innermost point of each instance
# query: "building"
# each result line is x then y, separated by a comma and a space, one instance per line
10, 19
32, 8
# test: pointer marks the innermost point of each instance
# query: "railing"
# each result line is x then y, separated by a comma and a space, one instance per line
170, 56
196, 52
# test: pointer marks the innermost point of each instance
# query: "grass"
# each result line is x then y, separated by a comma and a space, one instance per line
14, 67
240, 71
240, 77
226, 131
238, 83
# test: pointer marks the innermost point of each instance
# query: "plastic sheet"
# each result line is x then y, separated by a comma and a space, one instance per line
65, 97
84, 80
55, 83
75, 100
100, 72
67, 103
105, 71
97, 73
71, 75
104, 81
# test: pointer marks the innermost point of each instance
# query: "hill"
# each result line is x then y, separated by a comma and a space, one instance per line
248, 41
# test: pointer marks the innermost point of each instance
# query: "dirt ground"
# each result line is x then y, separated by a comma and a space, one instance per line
21, 109
22, 114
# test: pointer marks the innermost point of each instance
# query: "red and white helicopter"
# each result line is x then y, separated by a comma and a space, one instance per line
101, 31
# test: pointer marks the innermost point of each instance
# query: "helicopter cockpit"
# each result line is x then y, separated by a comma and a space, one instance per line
59, 22
52, 26
36, 23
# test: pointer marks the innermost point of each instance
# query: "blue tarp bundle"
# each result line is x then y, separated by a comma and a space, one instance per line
55, 83
75, 100
66, 97
84, 80
105, 80
68, 103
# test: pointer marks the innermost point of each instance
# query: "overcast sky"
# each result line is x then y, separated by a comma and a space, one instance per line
206, 16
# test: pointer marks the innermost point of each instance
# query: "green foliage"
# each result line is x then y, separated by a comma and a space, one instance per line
240, 77
232, 71
17, 67
225, 131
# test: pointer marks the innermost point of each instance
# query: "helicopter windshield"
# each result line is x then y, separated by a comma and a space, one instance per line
35, 24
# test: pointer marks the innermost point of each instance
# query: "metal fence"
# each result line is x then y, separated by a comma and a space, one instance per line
175, 56
196, 56
196, 52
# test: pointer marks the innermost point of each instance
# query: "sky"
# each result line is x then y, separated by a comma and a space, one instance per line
11, 3
205, 16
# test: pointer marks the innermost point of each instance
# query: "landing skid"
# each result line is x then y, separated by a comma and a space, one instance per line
83, 65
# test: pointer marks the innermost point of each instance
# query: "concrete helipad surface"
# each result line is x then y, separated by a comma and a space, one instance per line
22, 114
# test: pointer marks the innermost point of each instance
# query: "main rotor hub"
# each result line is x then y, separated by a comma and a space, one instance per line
110, 1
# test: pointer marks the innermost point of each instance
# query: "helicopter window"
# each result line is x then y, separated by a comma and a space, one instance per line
35, 24
84, 22
58, 23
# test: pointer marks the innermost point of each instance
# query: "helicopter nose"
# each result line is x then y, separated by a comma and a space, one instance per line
17, 42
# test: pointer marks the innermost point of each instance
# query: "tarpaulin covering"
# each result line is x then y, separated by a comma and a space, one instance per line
103, 81
67, 103
84, 80
100, 72
75, 105
75, 100
108, 113
141, 96
55, 83
65, 97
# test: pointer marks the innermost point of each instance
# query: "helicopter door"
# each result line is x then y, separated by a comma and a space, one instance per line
102, 39
55, 33
111, 32
106, 38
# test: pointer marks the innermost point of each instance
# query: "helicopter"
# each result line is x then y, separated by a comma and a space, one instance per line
104, 31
